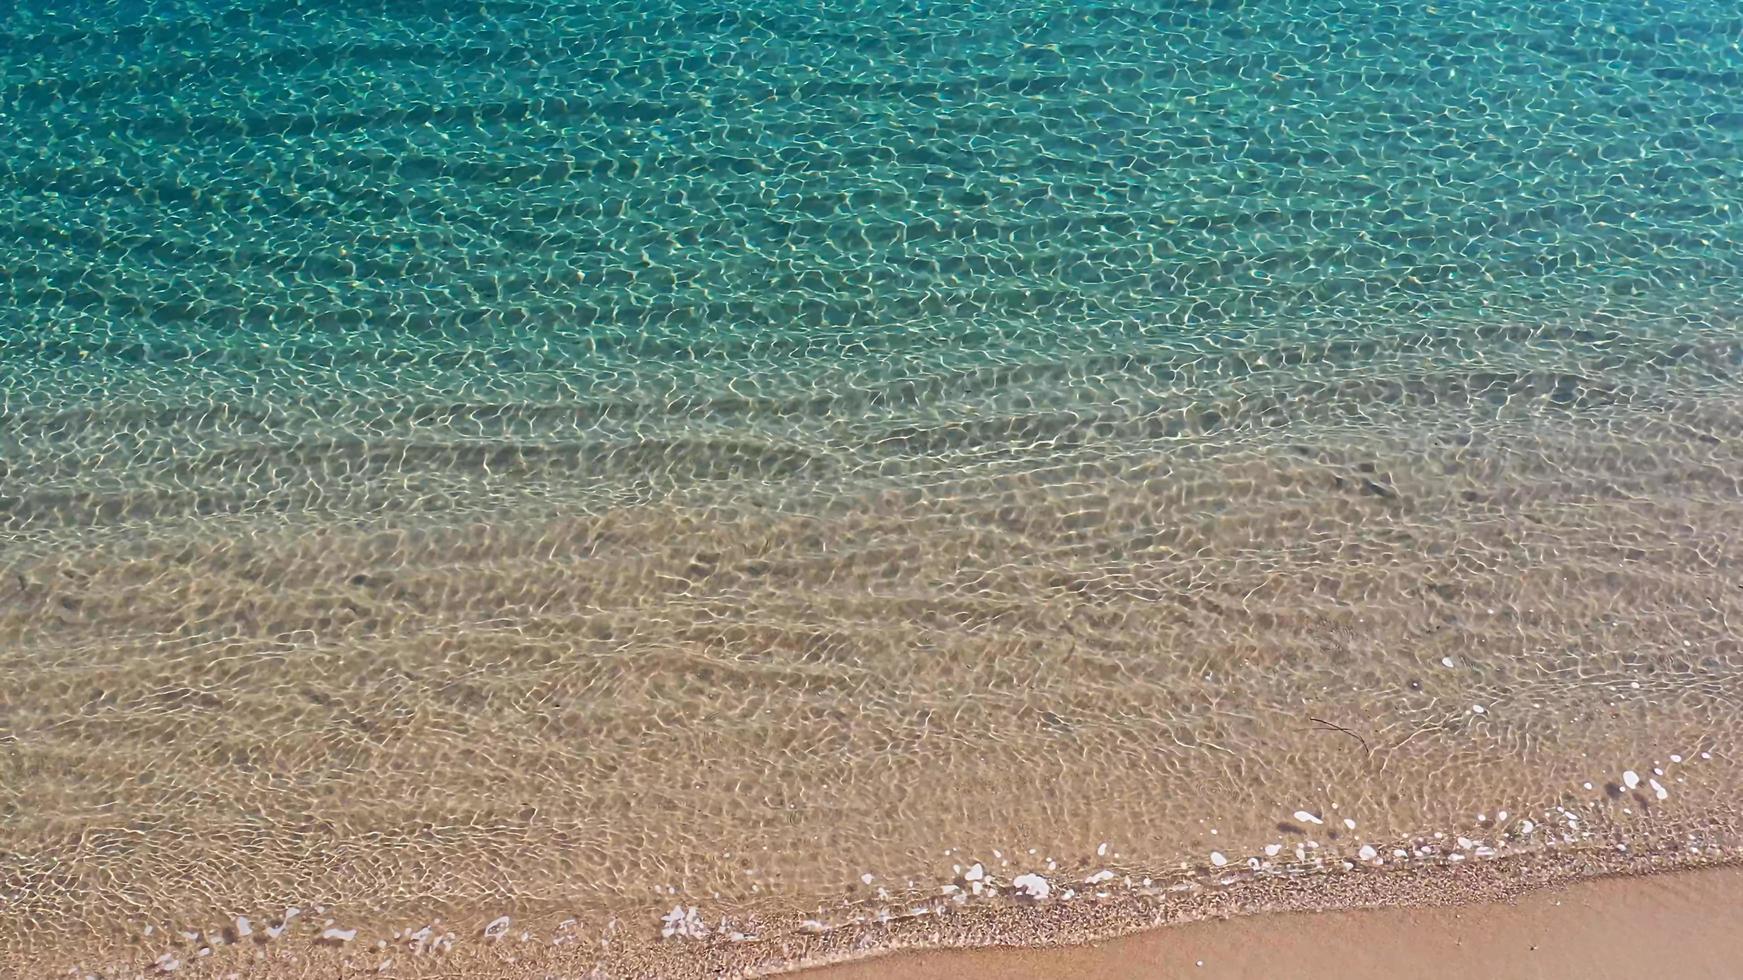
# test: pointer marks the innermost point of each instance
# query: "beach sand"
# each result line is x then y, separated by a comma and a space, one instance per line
1680, 924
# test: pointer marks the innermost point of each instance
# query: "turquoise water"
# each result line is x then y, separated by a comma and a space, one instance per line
548, 398
576, 224
387, 198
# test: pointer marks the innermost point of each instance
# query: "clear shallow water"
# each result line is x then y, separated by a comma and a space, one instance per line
583, 458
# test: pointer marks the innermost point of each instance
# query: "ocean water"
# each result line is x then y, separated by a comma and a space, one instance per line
568, 461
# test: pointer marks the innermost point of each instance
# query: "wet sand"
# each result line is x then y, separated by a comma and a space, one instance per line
1678, 924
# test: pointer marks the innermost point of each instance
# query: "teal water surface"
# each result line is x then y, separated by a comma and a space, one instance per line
574, 224
290, 201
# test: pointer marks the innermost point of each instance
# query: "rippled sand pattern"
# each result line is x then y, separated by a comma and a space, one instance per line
567, 461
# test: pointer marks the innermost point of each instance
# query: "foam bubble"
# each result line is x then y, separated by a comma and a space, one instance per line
683, 923
1031, 886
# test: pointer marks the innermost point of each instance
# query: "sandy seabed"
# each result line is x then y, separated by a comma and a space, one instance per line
1202, 660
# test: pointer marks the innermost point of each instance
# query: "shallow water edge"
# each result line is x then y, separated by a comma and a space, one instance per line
1680, 924
313, 943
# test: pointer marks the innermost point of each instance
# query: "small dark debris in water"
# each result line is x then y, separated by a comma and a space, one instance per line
1373, 489
1284, 826
1613, 791
1326, 726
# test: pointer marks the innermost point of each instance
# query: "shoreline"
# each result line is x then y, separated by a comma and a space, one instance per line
1261, 899
971, 937
1612, 926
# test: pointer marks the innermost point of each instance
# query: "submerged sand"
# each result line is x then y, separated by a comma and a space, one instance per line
1340, 622
1161, 658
